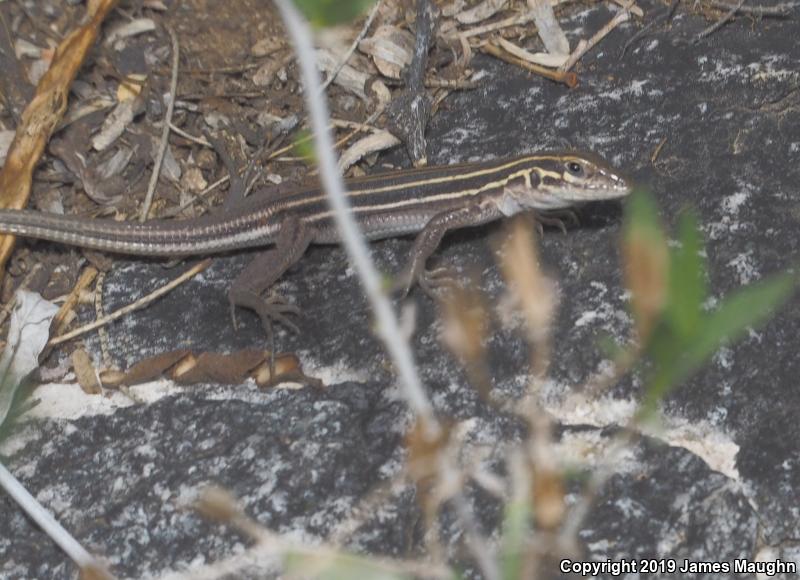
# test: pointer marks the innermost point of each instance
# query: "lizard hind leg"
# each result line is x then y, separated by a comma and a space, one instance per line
250, 286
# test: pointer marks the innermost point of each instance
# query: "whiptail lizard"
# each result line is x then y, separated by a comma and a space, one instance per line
427, 202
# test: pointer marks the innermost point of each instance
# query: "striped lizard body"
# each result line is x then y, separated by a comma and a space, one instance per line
427, 201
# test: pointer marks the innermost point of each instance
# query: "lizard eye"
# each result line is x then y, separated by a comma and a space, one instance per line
575, 168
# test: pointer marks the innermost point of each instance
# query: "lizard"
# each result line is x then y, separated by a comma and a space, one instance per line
426, 201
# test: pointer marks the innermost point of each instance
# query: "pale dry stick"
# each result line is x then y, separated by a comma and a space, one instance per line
162, 149
353, 47
585, 46
87, 276
541, 59
195, 198
270, 548
366, 508
199, 140
516, 20
366, 127
474, 539
388, 327
336, 145
155, 295
357, 128
719, 23
71, 547
362, 127
666, 16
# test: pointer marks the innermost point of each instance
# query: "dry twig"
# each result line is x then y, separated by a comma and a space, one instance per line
144, 301
585, 46
43, 114
352, 49
162, 149
568, 78
720, 23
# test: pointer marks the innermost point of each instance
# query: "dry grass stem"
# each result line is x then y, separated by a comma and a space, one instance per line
534, 291
196, 269
732, 10
539, 58
585, 46
44, 113
353, 46
162, 148
271, 549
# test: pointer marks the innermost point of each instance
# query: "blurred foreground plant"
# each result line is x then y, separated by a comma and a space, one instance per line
675, 333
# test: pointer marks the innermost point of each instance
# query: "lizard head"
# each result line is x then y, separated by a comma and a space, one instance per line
568, 179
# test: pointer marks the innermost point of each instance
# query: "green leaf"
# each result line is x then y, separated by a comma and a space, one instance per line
746, 307
687, 281
515, 531
330, 12
303, 146
677, 357
610, 348
641, 215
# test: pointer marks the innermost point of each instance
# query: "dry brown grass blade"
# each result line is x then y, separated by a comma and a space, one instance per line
43, 114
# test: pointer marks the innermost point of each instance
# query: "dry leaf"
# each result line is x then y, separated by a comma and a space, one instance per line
193, 180
23, 48
131, 88
267, 46
391, 48
481, 12
28, 333
548, 498
348, 78
186, 368
114, 125
378, 141
132, 28
450, 10
85, 372
554, 39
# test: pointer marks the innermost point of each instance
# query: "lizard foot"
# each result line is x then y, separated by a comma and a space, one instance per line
432, 282
273, 308
436, 281
556, 219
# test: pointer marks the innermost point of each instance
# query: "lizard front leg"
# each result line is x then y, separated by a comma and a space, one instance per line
481, 211
248, 288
